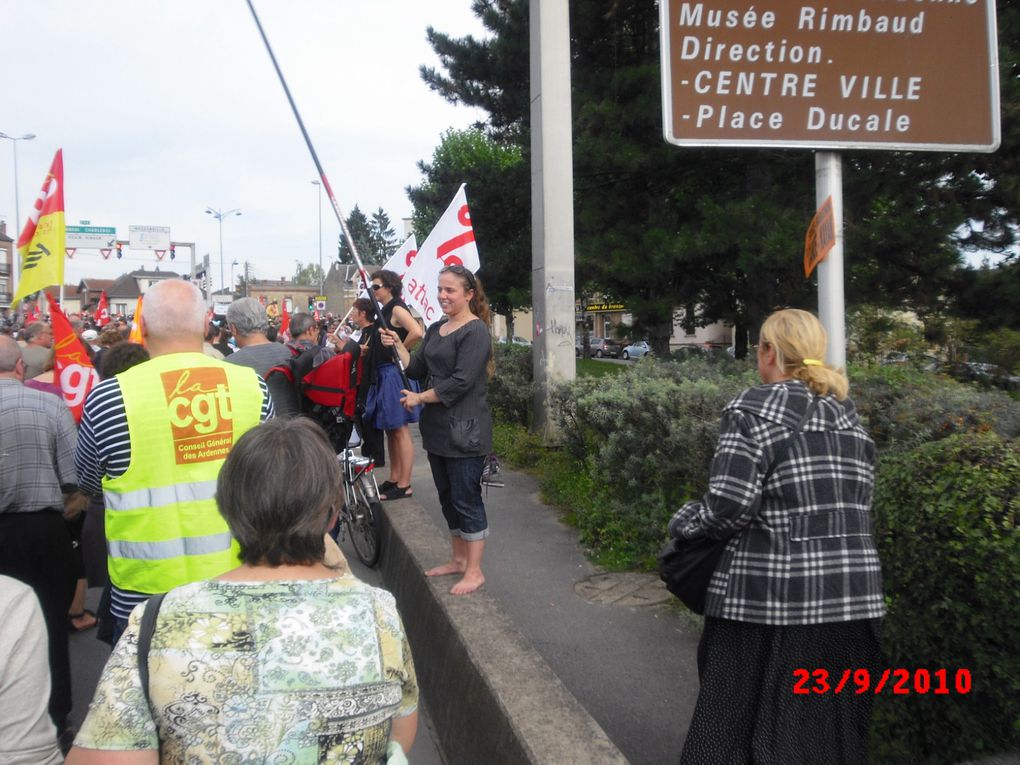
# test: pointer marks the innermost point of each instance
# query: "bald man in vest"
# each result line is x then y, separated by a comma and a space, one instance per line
152, 441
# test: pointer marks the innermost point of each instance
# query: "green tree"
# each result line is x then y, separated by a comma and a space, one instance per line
491, 73
722, 230
496, 177
361, 232
383, 239
308, 276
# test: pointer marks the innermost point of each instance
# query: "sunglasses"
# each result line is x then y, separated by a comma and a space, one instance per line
460, 271
377, 286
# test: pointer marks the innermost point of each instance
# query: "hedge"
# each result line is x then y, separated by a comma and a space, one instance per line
946, 529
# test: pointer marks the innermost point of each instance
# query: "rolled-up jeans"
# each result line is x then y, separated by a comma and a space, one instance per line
459, 484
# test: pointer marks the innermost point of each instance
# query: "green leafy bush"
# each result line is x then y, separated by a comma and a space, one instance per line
946, 529
903, 407
511, 391
646, 438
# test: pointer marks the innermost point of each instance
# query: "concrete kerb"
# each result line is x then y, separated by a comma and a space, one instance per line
491, 697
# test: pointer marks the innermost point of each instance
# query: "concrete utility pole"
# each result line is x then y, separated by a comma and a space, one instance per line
552, 206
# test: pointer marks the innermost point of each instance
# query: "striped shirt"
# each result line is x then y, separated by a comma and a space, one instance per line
104, 449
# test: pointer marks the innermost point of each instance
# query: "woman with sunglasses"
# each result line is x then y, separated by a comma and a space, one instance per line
383, 410
456, 426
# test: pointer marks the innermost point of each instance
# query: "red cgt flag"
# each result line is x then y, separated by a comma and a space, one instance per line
72, 370
102, 316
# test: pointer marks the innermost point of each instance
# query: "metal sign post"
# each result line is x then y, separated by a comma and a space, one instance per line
846, 74
829, 182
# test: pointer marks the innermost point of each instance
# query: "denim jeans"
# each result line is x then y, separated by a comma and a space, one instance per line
458, 482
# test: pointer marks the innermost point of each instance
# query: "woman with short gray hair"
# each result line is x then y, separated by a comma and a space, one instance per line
282, 658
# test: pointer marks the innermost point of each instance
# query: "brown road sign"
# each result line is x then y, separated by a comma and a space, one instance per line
843, 74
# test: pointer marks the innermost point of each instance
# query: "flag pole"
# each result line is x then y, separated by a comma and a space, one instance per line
329, 191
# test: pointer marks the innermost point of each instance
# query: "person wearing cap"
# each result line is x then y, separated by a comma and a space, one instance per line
91, 338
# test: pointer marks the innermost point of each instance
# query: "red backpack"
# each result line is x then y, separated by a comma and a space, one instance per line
333, 385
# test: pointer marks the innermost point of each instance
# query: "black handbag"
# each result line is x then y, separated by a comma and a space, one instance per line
687, 565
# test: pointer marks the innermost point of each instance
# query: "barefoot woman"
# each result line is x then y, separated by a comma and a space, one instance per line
456, 426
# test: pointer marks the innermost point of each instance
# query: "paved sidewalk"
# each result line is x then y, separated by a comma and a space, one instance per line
613, 639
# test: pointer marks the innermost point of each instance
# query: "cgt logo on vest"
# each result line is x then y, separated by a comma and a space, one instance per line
201, 414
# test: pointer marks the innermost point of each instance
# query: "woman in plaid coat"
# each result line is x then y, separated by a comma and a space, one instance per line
799, 585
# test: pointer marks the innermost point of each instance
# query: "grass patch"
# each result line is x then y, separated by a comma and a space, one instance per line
565, 485
596, 368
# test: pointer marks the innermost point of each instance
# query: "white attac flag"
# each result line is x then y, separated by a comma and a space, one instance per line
451, 243
398, 262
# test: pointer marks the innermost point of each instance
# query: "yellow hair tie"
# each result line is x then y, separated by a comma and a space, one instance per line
812, 363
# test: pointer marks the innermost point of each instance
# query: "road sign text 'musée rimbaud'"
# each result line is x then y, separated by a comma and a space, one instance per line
880, 74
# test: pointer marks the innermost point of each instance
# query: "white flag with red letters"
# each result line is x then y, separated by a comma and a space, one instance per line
451, 243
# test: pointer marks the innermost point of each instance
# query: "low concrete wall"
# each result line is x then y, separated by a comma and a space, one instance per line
490, 695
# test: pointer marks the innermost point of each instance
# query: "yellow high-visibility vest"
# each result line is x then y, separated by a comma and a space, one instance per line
184, 411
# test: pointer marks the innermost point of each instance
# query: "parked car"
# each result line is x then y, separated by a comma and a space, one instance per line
515, 340
636, 350
983, 373
600, 347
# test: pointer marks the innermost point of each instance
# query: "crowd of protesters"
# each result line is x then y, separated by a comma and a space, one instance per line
135, 500
241, 635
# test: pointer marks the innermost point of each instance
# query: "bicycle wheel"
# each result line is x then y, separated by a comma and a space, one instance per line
363, 525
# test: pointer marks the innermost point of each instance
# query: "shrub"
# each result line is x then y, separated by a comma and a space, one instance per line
945, 518
511, 391
903, 407
646, 437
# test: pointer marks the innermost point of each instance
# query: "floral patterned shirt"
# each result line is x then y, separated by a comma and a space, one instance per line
254, 672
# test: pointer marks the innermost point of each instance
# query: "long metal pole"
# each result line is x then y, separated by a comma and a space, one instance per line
329, 189
17, 222
322, 274
829, 182
220, 219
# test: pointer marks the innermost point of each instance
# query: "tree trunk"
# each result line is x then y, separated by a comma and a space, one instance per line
510, 330
658, 336
740, 341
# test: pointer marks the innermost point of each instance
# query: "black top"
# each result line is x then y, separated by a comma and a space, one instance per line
455, 367
387, 312
378, 353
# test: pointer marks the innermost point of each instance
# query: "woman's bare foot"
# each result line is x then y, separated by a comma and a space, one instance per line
472, 581
453, 567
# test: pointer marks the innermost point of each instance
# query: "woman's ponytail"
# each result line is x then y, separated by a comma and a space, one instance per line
799, 340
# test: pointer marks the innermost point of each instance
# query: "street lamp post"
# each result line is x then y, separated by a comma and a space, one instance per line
322, 274
17, 206
220, 215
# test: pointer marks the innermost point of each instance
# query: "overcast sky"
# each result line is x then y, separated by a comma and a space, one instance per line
165, 108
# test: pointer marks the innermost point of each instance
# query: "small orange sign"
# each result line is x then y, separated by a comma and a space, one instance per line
821, 236
201, 414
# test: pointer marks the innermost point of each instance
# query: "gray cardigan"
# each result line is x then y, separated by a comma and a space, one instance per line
455, 368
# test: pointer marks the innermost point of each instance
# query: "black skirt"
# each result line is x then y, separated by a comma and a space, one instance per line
748, 711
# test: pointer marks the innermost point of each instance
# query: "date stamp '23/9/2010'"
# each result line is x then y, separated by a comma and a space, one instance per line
899, 682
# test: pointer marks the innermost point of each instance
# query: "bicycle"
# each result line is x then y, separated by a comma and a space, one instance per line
361, 508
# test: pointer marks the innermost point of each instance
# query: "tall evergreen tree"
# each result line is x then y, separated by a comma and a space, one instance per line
383, 237
361, 232
660, 227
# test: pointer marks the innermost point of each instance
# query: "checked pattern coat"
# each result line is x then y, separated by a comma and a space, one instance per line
801, 550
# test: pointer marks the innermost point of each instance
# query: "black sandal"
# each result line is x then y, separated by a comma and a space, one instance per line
397, 492
386, 486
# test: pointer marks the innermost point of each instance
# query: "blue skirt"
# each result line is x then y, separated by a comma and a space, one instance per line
383, 409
